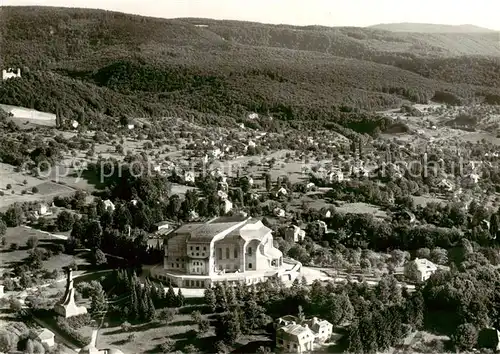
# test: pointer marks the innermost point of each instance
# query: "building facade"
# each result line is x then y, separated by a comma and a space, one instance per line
223, 249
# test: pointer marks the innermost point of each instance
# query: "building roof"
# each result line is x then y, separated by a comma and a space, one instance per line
425, 265
246, 228
188, 228
206, 232
46, 334
315, 323
294, 330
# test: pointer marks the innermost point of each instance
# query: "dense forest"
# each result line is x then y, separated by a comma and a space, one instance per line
98, 64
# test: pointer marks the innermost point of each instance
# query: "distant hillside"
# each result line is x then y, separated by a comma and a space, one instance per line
430, 28
98, 64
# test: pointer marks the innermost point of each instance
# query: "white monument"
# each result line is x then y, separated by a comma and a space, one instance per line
67, 306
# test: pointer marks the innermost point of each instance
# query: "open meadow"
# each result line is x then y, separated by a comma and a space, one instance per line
16, 250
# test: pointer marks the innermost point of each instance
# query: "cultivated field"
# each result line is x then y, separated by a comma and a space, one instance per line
20, 182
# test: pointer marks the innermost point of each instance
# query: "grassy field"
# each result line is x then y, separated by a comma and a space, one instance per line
46, 189
149, 337
362, 208
19, 235
182, 330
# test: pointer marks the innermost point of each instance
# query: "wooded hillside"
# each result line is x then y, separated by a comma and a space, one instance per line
98, 64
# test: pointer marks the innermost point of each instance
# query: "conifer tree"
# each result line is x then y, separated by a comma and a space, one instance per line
134, 304
150, 309
210, 299
143, 308
180, 298
171, 298
354, 343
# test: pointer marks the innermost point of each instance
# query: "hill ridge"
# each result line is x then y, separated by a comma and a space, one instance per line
431, 28
101, 65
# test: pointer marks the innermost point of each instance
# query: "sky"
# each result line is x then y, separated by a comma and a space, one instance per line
484, 13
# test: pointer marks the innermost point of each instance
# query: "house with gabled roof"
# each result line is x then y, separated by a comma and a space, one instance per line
294, 335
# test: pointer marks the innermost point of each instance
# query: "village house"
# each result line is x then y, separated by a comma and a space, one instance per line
130, 126
10, 74
108, 205
233, 249
474, 178
216, 153
42, 209
189, 177
336, 176
294, 234
223, 186
322, 225
162, 226
227, 206
296, 336
280, 213
445, 185
310, 186
222, 195
74, 124
46, 337
405, 216
193, 215
423, 267
281, 192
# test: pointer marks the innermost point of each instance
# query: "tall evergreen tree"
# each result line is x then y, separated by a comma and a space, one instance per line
134, 304
150, 310
354, 343
227, 327
171, 298
210, 299
180, 298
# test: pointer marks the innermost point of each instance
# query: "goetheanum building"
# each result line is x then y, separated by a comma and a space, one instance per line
223, 249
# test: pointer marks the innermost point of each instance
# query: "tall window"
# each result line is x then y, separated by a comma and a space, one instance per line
235, 253
227, 253
219, 251
249, 251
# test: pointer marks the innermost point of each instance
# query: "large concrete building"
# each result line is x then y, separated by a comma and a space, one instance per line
233, 249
